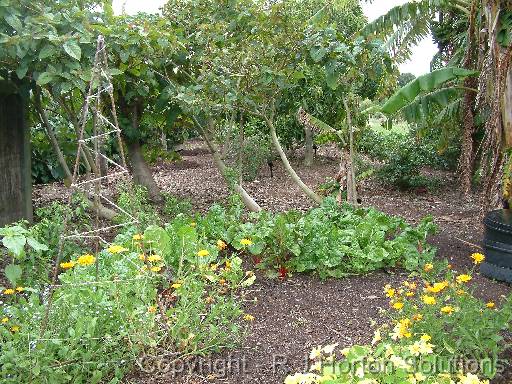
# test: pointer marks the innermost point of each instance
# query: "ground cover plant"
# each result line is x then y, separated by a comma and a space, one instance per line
437, 332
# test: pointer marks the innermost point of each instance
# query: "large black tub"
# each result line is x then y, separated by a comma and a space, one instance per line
498, 245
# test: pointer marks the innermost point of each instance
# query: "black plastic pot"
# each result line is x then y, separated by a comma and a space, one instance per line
498, 245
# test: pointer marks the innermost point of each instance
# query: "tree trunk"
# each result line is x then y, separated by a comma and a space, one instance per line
297, 180
351, 174
308, 156
247, 199
141, 172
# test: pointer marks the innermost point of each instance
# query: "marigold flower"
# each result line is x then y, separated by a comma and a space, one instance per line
142, 257
463, 279
114, 249
5, 320
398, 305
154, 258
9, 291
315, 353
176, 285
428, 267
151, 309
429, 300
86, 259
138, 237
410, 294
246, 242
228, 265
425, 337
156, 268
20, 289
15, 328
437, 287
448, 309
203, 253
248, 317
67, 265
490, 304
221, 245
477, 258
390, 292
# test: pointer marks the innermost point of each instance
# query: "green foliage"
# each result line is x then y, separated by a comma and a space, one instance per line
99, 325
330, 240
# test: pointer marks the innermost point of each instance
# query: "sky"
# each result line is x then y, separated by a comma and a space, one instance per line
418, 65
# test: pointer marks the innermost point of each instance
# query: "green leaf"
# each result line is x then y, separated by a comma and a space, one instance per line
21, 72
44, 78
425, 83
14, 244
73, 49
36, 245
47, 51
13, 273
14, 22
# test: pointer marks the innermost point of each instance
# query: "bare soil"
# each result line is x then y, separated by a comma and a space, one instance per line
294, 315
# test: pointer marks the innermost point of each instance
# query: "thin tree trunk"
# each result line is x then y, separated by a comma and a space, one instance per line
308, 156
141, 172
351, 174
296, 178
247, 199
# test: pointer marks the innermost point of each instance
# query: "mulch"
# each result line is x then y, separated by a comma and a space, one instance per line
295, 315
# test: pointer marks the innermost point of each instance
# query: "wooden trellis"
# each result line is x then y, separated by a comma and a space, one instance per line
98, 123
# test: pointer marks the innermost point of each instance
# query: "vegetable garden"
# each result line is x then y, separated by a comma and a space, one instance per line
251, 192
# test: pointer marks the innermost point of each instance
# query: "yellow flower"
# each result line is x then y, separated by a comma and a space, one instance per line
398, 305
20, 289
437, 287
417, 317
411, 286
156, 268
429, 300
138, 237
176, 285
15, 328
203, 253
228, 265
463, 279
448, 309
214, 267
152, 309
248, 317
9, 291
409, 294
477, 258
86, 259
154, 258
428, 267
376, 337
193, 224
390, 292
460, 292
5, 320
116, 249
67, 265
315, 353
142, 257
221, 245
426, 337
490, 304
246, 242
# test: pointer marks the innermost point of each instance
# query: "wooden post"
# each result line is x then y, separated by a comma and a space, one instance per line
15, 170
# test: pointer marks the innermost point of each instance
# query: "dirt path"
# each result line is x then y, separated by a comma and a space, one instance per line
293, 316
